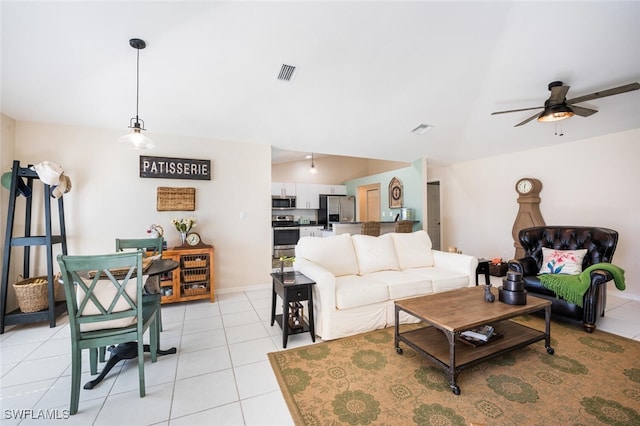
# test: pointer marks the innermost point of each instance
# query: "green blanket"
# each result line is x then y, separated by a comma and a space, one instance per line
573, 287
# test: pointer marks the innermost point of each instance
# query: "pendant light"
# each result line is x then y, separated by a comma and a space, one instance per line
136, 139
312, 169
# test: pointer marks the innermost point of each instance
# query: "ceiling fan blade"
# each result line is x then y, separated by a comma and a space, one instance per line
515, 110
603, 93
582, 111
557, 94
527, 120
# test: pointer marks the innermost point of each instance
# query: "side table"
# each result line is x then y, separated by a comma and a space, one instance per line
292, 287
483, 268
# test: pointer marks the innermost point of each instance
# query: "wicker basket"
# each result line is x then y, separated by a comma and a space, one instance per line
195, 289
499, 270
176, 199
194, 261
33, 296
196, 274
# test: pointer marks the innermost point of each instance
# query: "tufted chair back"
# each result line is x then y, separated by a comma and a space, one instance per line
599, 242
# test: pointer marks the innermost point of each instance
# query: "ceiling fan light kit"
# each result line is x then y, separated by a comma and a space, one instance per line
136, 139
558, 107
555, 113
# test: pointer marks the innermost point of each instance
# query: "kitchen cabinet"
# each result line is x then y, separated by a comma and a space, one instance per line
193, 279
307, 196
332, 189
311, 231
283, 189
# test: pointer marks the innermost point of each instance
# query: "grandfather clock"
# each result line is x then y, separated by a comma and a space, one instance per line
528, 190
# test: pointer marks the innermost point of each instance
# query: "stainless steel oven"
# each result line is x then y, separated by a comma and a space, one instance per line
286, 234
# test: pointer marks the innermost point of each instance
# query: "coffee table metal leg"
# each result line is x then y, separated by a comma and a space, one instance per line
397, 331
547, 330
452, 362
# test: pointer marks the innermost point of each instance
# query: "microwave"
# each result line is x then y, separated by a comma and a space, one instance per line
284, 202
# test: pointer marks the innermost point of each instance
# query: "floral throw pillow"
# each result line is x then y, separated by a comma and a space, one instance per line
562, 261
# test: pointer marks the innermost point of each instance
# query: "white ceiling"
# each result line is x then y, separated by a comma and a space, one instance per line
368, 72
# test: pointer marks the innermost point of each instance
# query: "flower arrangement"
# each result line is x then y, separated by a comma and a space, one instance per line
156, 231
183, 226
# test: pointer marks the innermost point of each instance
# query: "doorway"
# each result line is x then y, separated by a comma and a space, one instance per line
433, 213
369, 202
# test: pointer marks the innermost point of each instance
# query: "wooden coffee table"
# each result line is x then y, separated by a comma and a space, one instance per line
449, 313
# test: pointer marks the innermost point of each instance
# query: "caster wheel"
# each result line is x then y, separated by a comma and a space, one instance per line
455, 390
550, 350
399, 351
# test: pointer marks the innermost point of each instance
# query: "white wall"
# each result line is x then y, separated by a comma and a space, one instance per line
110, 200
7, 138
591, 182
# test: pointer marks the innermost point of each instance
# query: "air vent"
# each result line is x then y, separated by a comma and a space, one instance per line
423, 128
286, 72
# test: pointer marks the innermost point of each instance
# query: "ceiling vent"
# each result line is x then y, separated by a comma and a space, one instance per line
423, 128
286, 72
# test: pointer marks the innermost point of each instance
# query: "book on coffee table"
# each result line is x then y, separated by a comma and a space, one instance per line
479, 336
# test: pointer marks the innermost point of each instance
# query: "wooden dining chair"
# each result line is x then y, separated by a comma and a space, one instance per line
151, 247
404, 226
371, 228
104, 303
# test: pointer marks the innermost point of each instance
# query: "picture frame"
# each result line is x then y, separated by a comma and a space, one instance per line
396, 195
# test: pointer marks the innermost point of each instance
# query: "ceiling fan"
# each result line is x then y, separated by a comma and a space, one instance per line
558, 107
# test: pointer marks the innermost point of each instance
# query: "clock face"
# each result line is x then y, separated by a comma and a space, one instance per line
524, 186
193, 239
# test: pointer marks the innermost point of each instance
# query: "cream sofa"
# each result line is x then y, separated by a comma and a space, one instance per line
358, 277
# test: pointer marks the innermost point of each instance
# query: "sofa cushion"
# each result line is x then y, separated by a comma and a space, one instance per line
356, 290
403, 285
335, 253
562, 261
375, 253
441, 279
413, 249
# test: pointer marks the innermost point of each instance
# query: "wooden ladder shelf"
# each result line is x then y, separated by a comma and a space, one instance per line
27, 241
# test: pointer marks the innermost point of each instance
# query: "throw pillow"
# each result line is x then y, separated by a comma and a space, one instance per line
335, 253
375, 253
562, 261
413, 250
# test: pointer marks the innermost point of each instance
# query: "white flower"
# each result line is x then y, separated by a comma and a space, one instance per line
184, 224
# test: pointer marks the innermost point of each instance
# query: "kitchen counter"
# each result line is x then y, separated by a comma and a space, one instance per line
354, 228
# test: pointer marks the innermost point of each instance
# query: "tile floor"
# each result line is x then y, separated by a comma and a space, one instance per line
220, 375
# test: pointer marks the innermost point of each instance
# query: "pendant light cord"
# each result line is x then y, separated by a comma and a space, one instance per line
137, 81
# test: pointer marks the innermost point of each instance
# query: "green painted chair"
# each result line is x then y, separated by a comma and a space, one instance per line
106, 309
153, 247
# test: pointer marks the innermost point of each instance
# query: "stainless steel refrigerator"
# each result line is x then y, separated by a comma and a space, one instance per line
336, 208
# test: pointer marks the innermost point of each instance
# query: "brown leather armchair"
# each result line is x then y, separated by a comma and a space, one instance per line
600, 244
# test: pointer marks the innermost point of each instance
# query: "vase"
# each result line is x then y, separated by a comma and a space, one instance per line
183, 237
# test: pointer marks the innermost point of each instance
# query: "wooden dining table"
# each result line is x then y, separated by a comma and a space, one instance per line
129, 350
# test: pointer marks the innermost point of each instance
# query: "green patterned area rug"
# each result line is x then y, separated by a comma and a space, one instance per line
591, 379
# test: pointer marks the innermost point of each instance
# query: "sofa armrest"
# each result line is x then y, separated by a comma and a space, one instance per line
600, 276
527, 266
462, 263
325, 288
